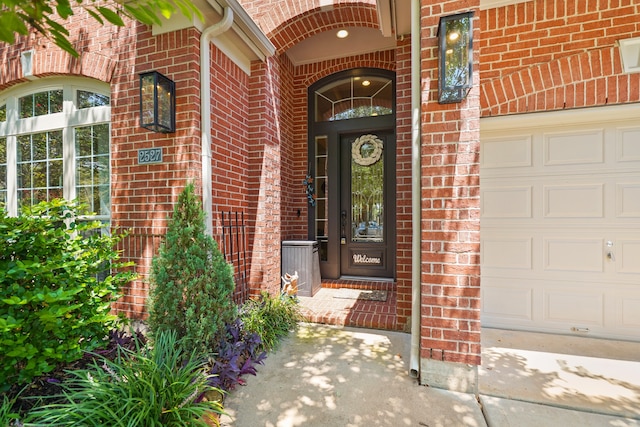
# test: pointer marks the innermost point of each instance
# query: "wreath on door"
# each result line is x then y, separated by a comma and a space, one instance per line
366, 150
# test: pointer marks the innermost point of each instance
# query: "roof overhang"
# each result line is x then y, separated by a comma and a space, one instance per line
243, 43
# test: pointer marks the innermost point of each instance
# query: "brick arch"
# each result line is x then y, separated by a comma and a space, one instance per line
586, 79
312, 73
89, 64
299, 27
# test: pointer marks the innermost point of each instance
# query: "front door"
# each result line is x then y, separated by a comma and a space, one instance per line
351, 181
366, 204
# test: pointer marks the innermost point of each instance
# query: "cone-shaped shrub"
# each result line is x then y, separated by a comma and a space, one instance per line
191, 283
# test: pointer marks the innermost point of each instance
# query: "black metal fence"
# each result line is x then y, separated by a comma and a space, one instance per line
233, 244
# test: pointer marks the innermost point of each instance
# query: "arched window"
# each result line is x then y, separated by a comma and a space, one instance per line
354, 97
55, 142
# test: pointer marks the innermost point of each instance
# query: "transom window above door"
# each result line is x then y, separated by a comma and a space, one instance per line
354, 97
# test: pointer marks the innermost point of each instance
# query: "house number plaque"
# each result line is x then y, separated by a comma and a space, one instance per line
149, 155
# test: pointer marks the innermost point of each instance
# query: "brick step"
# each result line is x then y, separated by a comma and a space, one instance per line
368, 284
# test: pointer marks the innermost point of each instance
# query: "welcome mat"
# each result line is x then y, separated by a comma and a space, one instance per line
346, 293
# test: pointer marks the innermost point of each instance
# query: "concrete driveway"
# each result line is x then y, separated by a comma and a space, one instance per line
335, 376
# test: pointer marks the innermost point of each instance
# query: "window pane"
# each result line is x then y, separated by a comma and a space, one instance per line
367, 185
41, 103
39, 147
87, 99
39, 174
26, 106
3, 113
55, 101
55, 173
3, 150
55, 145
3, 171
93, 172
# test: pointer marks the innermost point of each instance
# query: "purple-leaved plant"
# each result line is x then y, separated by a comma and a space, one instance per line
237, 355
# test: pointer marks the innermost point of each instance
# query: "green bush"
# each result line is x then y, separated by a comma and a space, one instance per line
53, 307
155, 386
271, 317
191, 283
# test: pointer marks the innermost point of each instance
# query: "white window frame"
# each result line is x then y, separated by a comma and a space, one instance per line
70, 118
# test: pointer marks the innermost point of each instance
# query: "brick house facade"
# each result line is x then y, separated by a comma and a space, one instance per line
529, 56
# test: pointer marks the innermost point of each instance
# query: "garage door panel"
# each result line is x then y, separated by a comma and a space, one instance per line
506, 202
627, 253
629, 312
628, 144
508, 152
628, 200
502, 299
574, 148
571, 254
573, 201
506, 252
573, 307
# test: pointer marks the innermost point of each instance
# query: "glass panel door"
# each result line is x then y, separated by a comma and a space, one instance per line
366, 183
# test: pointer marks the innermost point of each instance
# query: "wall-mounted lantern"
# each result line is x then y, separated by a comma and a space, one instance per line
455, 80
157, 102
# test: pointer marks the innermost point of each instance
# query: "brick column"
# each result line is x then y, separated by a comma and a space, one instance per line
450, 264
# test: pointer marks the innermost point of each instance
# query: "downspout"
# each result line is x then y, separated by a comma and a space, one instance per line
205, 111
416, 199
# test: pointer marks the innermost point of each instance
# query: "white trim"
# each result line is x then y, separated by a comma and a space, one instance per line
609, 113
491, 4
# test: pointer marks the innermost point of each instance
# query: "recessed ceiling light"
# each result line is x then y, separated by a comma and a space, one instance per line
366, 83
454, 36
342, 34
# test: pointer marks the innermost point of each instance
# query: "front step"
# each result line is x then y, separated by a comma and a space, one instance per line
365, 283
325, 308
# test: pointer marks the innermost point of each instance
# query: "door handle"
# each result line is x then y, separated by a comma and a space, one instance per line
343, 227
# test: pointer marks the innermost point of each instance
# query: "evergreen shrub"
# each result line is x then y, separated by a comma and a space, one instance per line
191, 283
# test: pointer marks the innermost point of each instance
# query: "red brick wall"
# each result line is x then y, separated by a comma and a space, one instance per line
143, 196
403, 187
265, 124
554, 54
450, 272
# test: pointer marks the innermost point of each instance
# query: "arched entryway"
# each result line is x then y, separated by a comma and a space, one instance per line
351, 157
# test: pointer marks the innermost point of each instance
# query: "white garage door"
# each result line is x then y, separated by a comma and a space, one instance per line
560, 222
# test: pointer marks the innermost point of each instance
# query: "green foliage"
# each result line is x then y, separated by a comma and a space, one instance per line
156, 386
7, 415
47, 17
52, 305
271, 317
192, 284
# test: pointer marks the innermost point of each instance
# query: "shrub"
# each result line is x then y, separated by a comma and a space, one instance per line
237, 354
271, 317
156, 386
53, 306
192, 284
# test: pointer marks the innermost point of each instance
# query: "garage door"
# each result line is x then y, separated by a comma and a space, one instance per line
560, 222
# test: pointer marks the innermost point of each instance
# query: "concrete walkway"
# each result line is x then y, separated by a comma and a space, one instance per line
332, 376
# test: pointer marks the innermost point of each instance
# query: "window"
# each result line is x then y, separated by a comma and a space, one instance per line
3, 171
354, 97
55, 142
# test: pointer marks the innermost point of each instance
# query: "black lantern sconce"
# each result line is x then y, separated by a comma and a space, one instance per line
455, 80
157, 102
